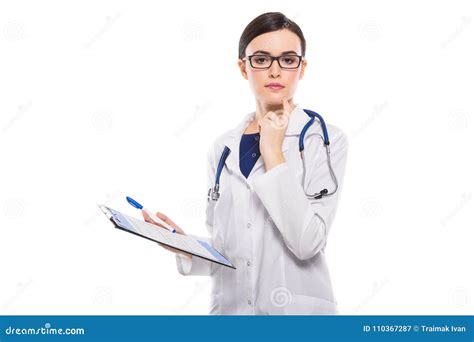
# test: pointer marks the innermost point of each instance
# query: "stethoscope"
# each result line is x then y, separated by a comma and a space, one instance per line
213, 192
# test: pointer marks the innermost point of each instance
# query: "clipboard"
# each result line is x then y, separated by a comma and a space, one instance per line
185, 243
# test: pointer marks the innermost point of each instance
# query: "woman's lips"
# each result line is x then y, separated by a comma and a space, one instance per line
275, 86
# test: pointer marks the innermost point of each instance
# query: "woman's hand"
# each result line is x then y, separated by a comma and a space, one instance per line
165, 218
272, 132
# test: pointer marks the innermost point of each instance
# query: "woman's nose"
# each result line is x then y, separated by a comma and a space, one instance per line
274, 70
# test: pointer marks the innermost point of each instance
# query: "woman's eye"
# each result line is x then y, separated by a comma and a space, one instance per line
288, 60
261, 60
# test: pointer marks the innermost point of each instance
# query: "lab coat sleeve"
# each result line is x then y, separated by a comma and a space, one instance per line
304, 223
195, 265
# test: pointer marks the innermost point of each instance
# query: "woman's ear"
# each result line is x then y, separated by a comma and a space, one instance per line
241, 65
303, 68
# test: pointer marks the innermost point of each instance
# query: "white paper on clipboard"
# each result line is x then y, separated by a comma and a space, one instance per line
149, 231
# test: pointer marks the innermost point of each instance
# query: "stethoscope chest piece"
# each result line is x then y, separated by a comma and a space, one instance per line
213, 193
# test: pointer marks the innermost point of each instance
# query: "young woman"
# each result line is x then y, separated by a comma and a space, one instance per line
264, 220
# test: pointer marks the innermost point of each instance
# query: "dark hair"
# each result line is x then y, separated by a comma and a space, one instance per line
269, 22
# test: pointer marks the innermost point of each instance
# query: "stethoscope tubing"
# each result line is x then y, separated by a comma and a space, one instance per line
214, 191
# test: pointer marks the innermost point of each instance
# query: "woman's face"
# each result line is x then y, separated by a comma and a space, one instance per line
274, 43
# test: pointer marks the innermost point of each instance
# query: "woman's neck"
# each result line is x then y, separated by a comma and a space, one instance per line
264, 108
261, 111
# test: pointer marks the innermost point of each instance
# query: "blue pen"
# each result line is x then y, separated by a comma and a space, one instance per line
155, 218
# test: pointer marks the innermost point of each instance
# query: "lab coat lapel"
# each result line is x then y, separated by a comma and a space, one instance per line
232, 141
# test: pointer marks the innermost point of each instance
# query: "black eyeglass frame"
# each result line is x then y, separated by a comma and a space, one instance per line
273, 58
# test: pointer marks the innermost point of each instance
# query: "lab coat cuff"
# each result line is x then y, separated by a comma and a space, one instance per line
183, 263
194, 266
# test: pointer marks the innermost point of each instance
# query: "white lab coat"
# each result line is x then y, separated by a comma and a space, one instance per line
271, 232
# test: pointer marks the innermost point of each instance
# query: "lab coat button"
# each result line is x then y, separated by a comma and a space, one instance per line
248, 225
249, 302
248, 186
248, 263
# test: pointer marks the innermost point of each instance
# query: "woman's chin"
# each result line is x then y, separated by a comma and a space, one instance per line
274, 99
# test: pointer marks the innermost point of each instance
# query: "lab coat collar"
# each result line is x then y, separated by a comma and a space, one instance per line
298, 118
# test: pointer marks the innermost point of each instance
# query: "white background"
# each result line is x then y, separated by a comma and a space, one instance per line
99, 100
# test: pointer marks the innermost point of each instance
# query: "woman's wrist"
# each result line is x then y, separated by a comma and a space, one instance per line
273, 159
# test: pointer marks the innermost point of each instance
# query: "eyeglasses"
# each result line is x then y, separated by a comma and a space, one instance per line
266, 61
